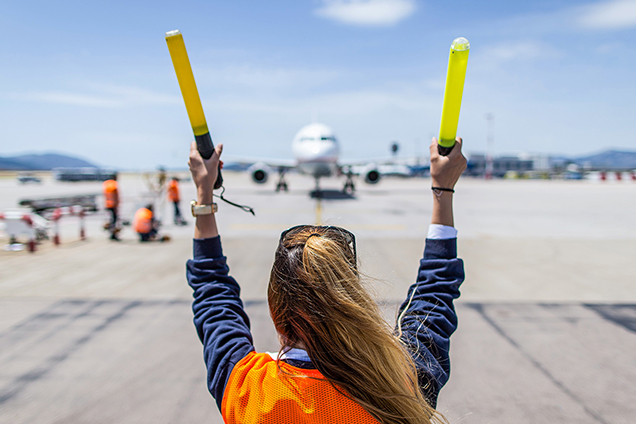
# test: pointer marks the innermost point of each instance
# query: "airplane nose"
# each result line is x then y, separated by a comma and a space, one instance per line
317, 151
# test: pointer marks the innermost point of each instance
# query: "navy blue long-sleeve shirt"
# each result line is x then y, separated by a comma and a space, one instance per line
427, 316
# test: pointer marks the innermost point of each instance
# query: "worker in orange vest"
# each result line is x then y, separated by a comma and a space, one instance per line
173, 196
144, 224
111, 203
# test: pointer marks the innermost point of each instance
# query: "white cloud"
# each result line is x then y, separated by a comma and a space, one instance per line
517, 51
101, 96
351, 103
609, 48
67, 98
263, 78
617, 14
367, 12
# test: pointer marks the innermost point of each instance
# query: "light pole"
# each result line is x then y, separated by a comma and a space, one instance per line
490, 140
418, 151
394, 149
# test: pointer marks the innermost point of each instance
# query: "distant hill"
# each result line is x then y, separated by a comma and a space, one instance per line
11, 164
42, 162
609, 159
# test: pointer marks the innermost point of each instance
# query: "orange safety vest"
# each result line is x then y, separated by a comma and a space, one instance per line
142, 223
258, 392
111, 194
173, 191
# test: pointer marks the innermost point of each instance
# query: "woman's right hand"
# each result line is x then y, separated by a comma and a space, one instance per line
204, 172
446, 170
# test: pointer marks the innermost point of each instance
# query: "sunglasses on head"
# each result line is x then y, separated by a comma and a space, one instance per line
326, 230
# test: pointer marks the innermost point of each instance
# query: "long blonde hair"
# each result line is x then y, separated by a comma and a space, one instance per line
317, 301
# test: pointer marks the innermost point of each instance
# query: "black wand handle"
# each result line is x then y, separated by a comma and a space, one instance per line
444, 151
206, 149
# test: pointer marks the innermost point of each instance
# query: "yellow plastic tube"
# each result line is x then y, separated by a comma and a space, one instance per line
190, 94
182, 67
455, 76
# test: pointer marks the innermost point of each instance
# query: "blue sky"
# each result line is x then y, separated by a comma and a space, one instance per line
94, 79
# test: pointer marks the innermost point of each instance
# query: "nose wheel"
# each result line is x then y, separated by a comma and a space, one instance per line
317, 193
282, 184
349, 186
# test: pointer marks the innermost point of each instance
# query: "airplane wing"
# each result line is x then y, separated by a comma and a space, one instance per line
385, 167
385, 160
251, 160
260, 168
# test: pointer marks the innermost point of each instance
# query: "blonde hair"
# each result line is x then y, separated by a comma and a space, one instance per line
317, 301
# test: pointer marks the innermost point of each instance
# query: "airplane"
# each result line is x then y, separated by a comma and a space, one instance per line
316, 151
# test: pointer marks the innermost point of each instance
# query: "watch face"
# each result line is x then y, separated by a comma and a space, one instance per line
203, 209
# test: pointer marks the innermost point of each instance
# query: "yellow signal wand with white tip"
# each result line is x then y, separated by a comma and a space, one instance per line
190, 94
455, 76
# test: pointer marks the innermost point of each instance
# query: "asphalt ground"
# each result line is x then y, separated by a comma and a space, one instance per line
101, 332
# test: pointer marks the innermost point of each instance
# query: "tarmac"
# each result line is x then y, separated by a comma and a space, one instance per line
96, 331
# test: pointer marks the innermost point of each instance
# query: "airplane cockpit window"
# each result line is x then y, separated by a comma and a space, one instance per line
323, 138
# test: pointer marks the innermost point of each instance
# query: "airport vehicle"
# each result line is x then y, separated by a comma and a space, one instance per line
83, 174
42, 206
316, 151
27, 177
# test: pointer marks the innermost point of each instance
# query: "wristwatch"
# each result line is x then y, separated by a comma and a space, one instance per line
203, 209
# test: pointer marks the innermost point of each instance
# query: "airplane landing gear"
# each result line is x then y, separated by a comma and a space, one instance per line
317, 193
282, 184
349, 186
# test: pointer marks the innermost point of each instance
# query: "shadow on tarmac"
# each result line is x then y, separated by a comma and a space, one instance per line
331, 195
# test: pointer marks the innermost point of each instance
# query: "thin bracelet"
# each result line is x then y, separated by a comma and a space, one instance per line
437, 191
443, 189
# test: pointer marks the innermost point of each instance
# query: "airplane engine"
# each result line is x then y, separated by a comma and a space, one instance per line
259, 172
371, 174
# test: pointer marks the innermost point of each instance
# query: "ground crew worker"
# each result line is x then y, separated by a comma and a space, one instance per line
339, 361
144, 223
111, 203
173, 196
146, 226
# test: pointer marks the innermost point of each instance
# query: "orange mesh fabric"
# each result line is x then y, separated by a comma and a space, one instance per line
142, 223
110, 193
257, 392
173, 191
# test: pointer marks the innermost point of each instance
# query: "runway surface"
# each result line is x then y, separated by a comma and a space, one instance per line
101, 332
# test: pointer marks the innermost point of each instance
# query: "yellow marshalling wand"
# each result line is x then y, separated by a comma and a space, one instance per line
455, 76
182, 67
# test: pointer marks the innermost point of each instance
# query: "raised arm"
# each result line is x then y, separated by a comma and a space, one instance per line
427, 317
445, 172
204, 174
219, 316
